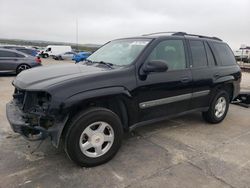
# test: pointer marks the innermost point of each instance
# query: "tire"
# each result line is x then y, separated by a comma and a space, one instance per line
22, 67
45, 55
217, 112
85, 130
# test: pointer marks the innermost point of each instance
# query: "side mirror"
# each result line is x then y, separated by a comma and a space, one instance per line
154, 66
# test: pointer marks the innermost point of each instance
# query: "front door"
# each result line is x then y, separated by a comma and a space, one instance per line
166, 93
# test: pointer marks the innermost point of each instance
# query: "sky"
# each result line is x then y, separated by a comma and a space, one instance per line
100, 21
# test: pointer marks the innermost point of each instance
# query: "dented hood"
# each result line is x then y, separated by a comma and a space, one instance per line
43, 77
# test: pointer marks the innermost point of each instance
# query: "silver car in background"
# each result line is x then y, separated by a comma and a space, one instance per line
13, 61
65, 56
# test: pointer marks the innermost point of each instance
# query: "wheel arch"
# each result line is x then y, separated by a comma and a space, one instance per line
227, 86
20, 65
118, 101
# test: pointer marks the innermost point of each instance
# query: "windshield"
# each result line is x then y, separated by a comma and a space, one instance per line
119, 52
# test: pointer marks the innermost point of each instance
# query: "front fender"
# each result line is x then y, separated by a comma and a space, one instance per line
56, 131
101, 92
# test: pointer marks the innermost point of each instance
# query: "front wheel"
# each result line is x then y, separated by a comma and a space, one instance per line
93, 137
218, 108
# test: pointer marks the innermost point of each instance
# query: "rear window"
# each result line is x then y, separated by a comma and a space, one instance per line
198, 53
225, 54
26, 51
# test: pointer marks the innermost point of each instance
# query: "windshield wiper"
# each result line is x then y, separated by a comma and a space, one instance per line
110, 65
88, 61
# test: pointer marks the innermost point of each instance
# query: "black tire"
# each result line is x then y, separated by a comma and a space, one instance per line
19, 68
210, 115
79, 124
45, 55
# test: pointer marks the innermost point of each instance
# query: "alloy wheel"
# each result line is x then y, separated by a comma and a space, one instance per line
22, 68
96, 139
220, 107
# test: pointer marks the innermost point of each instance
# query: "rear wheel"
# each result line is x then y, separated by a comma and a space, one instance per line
45, 55
218, 108
93, 137
22, 67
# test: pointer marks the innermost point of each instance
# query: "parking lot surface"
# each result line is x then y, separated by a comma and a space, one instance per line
180, 152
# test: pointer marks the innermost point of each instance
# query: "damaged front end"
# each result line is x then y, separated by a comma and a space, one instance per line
30, 113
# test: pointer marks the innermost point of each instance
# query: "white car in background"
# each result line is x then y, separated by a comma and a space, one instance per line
243, 54
54, 50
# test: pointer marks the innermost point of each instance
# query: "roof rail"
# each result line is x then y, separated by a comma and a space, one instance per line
183, 34
158, 33
193, 35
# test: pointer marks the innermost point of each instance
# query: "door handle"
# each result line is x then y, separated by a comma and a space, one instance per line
216, 75
185, 79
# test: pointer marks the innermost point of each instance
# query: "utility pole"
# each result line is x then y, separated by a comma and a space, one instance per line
76, 33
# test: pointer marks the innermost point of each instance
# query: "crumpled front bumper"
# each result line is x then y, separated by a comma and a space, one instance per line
20, 125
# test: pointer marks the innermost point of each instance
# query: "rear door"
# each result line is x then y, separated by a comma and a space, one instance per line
203, 66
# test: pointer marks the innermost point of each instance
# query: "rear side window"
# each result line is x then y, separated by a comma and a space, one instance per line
198, 53
225, 54
2, 53
26, 51
9, 54
210, 56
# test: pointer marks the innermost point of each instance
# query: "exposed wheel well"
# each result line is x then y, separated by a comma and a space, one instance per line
115, 103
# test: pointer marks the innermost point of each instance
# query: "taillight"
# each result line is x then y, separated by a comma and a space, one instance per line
38, 60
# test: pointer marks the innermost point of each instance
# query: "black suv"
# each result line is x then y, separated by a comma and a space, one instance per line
125, 84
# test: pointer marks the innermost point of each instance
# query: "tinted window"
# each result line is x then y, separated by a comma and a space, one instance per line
210, 56
171, 51
30, 52
9, 54
48, 50
225, 54
198, 53
2, 54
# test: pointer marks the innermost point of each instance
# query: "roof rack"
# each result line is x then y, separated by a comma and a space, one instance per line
159, 33
183, 34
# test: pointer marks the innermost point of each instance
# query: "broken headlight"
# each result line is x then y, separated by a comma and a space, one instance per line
36, 102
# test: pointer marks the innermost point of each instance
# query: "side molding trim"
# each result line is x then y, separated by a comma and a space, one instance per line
168, 100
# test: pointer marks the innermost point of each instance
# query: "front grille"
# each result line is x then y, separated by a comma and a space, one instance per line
30, 101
